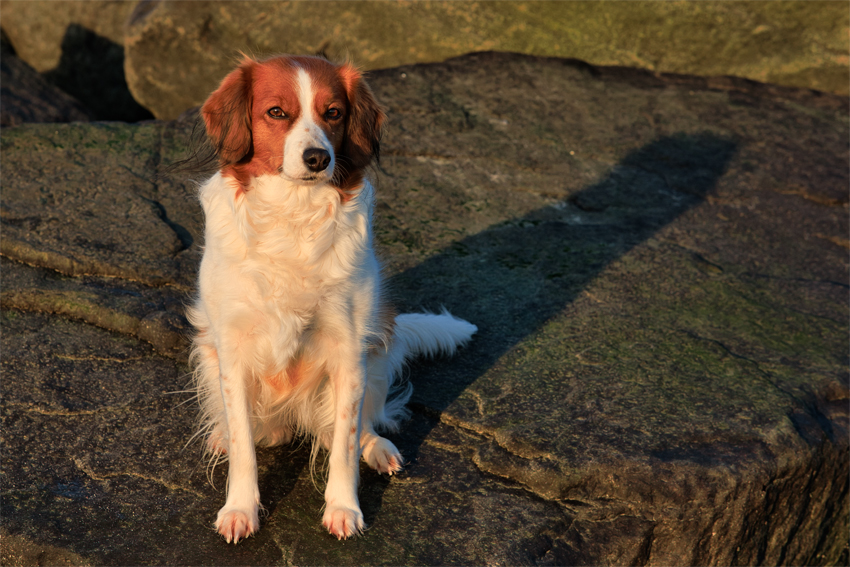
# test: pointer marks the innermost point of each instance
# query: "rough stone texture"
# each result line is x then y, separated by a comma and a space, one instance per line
27, 97
78, 46
658, 268
38, 27
177, 52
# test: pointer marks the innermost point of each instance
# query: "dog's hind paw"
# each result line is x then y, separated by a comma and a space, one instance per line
234, 525
343, 522
382, 455
217, 442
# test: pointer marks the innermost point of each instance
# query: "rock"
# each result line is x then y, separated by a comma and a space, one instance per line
18, 552
115, 218
178, 52
658, 269
37, 28
6, 47
92, 69
78, 47
26, 97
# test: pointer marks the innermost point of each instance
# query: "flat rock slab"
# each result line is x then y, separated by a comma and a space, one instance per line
658, 268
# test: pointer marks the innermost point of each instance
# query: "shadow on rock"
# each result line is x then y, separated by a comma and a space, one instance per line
513, 277
91, 69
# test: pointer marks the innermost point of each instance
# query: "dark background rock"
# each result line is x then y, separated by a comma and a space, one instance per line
38, 28
178, 51
78, 47
92, 69
658, 268
27, 97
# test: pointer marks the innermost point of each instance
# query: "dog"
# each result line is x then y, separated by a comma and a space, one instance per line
294, 337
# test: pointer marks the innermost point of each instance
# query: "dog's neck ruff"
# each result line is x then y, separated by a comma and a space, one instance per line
281, 225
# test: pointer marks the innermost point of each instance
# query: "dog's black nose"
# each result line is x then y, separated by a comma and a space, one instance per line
316, 159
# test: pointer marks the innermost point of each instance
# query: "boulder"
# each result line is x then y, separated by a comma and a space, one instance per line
79, 48
658, 268
177, 52
37, 28
92, 69
25, 96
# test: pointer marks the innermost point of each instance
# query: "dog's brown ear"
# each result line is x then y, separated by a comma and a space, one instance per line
227, 115
364, 121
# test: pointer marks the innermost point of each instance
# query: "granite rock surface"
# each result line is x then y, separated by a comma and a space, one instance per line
658, 266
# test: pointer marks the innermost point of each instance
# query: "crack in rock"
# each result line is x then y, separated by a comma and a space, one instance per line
107, 476
99, 358
514, 465
65, 412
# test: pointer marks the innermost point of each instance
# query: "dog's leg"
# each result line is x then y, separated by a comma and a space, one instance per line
239, 517
208, 385
342, 516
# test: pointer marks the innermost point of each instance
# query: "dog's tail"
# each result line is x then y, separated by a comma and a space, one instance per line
415, 334
428, 334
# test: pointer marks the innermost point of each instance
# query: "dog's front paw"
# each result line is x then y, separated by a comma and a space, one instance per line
237, 524
382, 455
343, 522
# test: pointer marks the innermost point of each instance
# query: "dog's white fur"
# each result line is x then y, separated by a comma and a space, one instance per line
292, 337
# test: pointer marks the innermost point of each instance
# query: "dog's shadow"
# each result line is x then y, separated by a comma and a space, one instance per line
513, 277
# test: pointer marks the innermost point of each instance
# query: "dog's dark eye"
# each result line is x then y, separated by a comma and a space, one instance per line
333, 114
277, 112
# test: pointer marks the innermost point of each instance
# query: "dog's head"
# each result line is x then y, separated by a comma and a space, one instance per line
303, 118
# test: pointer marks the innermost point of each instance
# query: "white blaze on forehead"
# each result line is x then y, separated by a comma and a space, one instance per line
305, 134
305, 93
